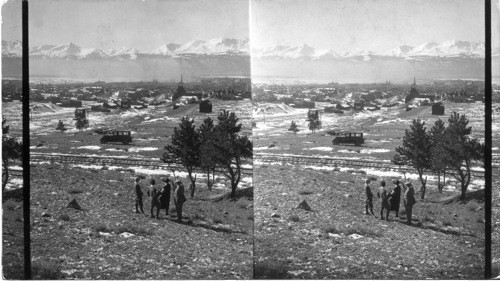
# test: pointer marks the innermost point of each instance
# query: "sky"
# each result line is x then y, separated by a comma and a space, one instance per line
377, 25
144, 25
341, 25
11, 20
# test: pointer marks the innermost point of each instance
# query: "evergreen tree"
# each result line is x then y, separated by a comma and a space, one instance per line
462, 150
185, 147
438, 153
231, 147
11, 149
208, 156
293, 128
313, 120
416, 148
61, 127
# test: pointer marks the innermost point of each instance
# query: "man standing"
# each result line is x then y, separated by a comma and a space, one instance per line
369, 197
382, 193
138, 196
153, 193
179, 199
409, 201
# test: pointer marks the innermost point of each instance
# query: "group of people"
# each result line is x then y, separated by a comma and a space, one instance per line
390, 201
160, 199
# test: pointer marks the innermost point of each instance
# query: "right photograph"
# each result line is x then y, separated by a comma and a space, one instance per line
368, 134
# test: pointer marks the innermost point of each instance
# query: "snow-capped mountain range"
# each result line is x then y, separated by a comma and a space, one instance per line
447, 49
238, 47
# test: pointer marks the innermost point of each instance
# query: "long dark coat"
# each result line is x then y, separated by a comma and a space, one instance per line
395, 198
164, 196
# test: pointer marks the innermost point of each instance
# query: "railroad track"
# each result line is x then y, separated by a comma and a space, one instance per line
381, 164
155, 164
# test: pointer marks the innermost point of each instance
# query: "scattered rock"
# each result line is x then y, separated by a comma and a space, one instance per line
348, 196
126, 234
455, 215
355, 236
480, 221
226, 213
334, 235
249, 206
303, 205
117, 194
274, 215
46, 215
73, 204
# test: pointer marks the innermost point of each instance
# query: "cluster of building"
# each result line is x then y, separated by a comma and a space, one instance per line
372, 96
138, 95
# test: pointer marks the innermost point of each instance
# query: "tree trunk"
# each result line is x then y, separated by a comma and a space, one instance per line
5, 179
193, 183
423, 187
208, 181
233, 189
440, 188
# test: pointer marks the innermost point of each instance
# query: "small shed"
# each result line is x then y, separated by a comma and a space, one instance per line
438, 109
206, 106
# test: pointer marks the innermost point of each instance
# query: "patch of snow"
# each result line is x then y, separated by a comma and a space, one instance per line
113, 149
321, 148
90, 147
137, 149
14, 183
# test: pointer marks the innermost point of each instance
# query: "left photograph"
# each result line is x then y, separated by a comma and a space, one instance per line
140, 140
12, 130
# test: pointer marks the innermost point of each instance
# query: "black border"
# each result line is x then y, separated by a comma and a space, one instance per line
487, 141
26, 143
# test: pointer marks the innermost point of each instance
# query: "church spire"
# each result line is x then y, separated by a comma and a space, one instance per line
181, 80
414, 81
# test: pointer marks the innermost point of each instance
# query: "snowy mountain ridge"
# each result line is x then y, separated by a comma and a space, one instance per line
241, 47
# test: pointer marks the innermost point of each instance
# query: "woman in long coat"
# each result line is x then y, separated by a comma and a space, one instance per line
409, 201
164, 197
396, 198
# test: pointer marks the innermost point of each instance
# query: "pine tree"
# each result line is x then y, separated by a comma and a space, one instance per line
313, 120
61, 127
208, 157
438, 153
462, 150
416, 147
11, 149
293, 128
232, 148
185, 147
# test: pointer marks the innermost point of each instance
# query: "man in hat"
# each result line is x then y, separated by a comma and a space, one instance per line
396, 197
409, 201
164, 195
179, 199
138, 196
384, 204
153, 193
369, 197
